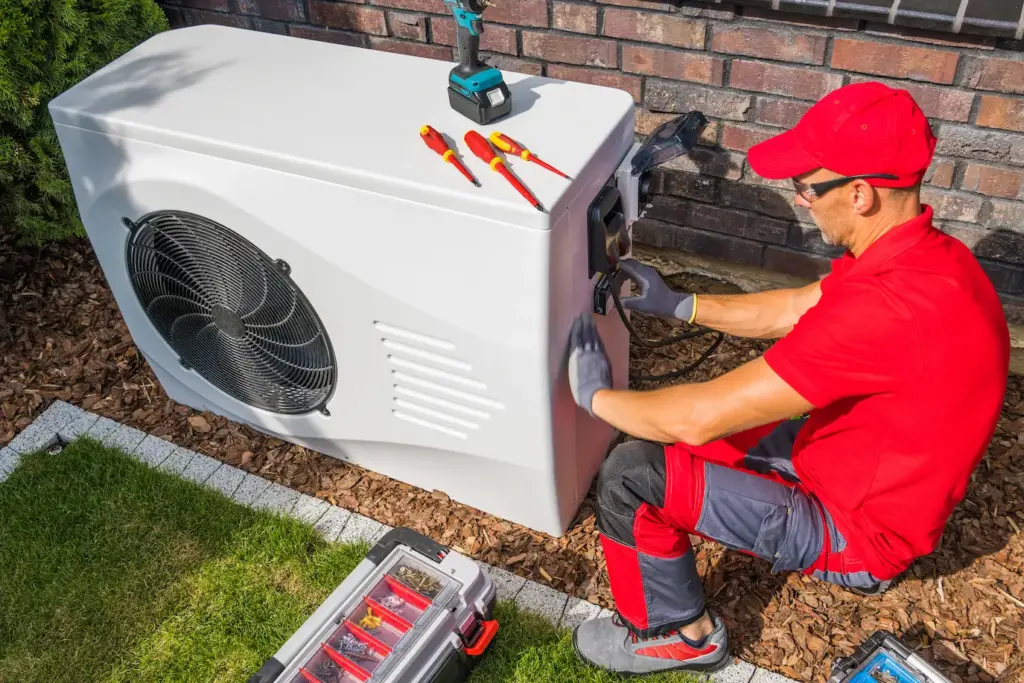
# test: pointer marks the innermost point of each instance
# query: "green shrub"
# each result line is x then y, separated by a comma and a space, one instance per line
46, 46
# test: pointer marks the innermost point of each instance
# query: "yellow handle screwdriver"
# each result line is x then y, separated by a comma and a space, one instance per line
510, 146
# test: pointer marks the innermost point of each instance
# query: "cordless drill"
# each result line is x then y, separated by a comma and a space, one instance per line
475, 90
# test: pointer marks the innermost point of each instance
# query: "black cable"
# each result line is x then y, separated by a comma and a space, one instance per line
634, 336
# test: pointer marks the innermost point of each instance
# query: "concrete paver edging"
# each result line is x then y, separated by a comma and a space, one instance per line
63, 422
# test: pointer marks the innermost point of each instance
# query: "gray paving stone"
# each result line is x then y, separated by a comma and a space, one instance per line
77, 428
124, 437
333, 522
276, 498
359, 528
506, 584
225, 479
250, 489
200, 467
384, 528
177, 461
577, 611
153, 450
9, 460
543, 600
737, 672
102, 427
43, 430
308, 509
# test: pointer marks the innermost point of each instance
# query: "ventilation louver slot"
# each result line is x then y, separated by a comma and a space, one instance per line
231, 313
432, 388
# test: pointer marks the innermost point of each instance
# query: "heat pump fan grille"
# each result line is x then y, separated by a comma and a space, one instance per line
230, 312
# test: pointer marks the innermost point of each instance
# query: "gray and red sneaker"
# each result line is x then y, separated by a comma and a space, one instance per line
608, 644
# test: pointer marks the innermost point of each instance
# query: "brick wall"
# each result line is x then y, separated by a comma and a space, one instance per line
753, 72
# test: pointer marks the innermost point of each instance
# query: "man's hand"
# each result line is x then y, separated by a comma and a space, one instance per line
589, 370
655, 296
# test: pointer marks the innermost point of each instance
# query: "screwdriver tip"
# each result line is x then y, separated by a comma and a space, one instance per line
477, 183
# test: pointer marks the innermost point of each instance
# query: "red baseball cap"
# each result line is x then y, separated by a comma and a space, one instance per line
857, 129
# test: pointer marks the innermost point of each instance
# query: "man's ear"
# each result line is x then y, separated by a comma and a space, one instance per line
863, 197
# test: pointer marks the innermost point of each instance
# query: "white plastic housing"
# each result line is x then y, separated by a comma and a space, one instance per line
448, 306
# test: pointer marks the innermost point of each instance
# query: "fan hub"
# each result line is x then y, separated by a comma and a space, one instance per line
228, 322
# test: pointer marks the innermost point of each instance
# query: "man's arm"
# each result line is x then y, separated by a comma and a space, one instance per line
761, 315
764, 315
747, 397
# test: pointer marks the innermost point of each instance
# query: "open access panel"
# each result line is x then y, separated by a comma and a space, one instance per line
412, 611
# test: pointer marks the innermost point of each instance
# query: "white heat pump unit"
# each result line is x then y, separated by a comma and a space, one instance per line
288, 253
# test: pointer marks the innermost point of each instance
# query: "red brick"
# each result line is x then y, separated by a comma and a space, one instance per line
952, 206
348, 16
794, 81
508, 64
936, 102
784, 46
993, 181
409, 26
933, 37
990, 73
1001, 112
640, 4
430, 6
215, 5
940, 173
553, 47
493, 39
707, 244
794, 19
650, 27
611, 79
782, 113
742, 138
898, 61
680, 66
282, 10
678, 98
646, 121
195, 17
328, 36
575, 18
405, 47
518, 12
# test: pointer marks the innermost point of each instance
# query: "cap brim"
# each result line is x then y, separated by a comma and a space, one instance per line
781, 157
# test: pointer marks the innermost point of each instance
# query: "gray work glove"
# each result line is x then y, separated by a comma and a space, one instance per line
589, 369
655, 297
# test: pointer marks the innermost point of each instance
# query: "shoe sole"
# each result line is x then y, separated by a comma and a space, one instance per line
697, 668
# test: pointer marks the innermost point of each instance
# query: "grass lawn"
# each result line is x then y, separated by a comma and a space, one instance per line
112, 571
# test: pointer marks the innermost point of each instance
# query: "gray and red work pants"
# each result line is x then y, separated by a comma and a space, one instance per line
740, 491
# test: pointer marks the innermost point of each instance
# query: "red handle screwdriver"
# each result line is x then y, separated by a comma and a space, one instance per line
435, 141
510, 146
481, 148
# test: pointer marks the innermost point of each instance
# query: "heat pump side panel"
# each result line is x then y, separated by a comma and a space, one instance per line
438, 319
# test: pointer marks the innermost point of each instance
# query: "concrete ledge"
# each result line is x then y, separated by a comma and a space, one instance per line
65, 422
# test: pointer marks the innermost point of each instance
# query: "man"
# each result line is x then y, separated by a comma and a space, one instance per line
895, 364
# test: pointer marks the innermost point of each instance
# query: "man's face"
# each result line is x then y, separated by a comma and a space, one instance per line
832, 212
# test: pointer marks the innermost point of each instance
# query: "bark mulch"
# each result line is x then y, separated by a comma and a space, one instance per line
62, 337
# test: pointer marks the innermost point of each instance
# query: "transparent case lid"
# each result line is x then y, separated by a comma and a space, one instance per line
669, 140
381, 618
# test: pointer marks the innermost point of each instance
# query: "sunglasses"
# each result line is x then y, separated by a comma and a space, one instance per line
813, 191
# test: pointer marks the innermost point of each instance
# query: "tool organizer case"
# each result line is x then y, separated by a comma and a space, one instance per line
884, 659
412, 611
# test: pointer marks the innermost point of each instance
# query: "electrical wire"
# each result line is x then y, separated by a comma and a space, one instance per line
634, 336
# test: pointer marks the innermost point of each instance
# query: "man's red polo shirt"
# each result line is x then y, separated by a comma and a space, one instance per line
905, 359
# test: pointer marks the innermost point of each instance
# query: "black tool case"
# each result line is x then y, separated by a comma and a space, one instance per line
412, 611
